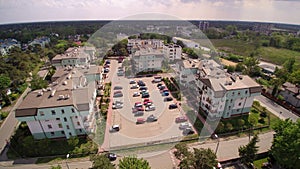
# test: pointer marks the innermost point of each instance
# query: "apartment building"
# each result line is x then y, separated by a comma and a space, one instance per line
172, 51
138, 44
147, 60
75, 56
223, 95
66, 108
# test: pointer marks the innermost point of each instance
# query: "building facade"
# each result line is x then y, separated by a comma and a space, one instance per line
172, 52
65, 109
147, 60
291, 94
76, 56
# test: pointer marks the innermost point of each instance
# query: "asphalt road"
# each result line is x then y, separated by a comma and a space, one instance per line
9, 125
276, 109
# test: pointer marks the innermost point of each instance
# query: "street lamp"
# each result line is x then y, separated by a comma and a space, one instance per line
216, 136
68, 155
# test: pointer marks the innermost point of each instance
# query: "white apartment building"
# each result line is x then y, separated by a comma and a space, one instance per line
172, 51
137, 44
147, 60
224, 95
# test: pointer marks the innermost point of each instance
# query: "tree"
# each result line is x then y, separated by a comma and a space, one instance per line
4, 84
100, 162
198, 159
38, 82
229, 126
286, 143
248, 152
241, 123
252, 68
289, 64
133, 163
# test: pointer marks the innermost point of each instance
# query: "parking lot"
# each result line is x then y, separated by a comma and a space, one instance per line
130, 132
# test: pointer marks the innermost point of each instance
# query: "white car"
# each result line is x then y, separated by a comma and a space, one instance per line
114, 128
184, 125
136, 94
150, 108
117, 105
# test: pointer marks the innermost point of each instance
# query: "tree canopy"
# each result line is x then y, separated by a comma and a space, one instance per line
133, 163
248, 152
196, 159
286, 144
100, 162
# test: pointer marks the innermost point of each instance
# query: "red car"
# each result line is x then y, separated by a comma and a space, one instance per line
137, 109
140, 121
146, 102
181, 119
138, 104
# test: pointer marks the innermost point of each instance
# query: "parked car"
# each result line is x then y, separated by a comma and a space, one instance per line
107, 62
146, 101
184, 125
159, 84
141, 83
136, 109
139, 113
180, 119
165, 94
118, 88
134, 86
151, 118
143, 88
162, 87
118, 94
106, 70
114, 128
120, 73
117, 105
145, 95
188, 131
111, 156
150, 108
136, 94
173, 106
167, 99
140, 120
132, 81
138, 104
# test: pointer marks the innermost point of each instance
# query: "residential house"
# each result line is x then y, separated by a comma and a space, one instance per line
291, 94
7, 44
42, 41
172, 51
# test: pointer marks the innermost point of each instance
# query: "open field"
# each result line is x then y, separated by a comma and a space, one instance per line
270, 54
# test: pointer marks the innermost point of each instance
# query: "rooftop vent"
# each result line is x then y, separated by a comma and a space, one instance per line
67, 96
61, 97
40, 93
69, 76
52, 93
49, 88
65, 83
241, 77
44, 90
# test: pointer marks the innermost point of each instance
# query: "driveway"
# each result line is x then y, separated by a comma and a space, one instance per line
276, 109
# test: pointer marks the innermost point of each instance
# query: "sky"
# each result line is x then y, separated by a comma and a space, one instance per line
278, 11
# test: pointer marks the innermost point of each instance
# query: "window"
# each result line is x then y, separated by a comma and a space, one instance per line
232, 93
239, 93
76, 117
52, 133
80, 130
78, 123
229, 107
59, 125
62, 111
57, 118
68, 127
240, 104
65, 119
70, 134
231, 101
62, 132
73, 111
42, 113
53, 112
49, 126
246, 92
238, 110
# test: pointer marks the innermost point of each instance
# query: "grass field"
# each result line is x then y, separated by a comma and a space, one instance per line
270, 54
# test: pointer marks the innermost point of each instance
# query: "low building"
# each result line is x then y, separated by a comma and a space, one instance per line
65, 109
75, 56
291, 94
188, 43
172, 51
7, 44
134, 45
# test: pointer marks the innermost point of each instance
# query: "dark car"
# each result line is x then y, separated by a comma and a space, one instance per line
145, 95
118, 87
173, 106
159, 84
165, 94
139, 113
162, 87
118, 94
180, 119
188, 131
111, 156
167, 99
143, 88
151, 118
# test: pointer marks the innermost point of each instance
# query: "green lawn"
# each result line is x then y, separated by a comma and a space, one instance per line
270, 54
258, 163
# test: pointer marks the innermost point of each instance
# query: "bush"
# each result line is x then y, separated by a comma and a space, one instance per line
263, 114
261, 120
4, 114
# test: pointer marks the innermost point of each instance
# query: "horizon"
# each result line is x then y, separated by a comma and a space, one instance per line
270, 11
